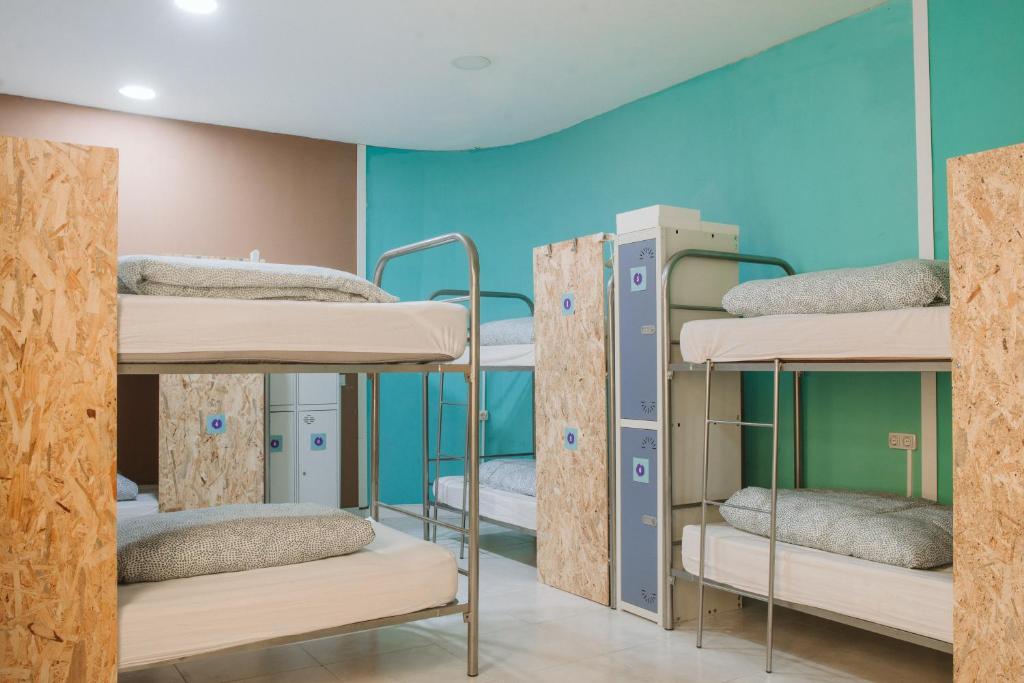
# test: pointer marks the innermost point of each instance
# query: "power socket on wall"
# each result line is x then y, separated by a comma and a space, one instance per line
903, 442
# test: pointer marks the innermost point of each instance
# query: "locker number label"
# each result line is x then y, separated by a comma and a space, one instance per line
276, 443
318, 442
216, 424
571, 438
641, 470
568, 304
638, 279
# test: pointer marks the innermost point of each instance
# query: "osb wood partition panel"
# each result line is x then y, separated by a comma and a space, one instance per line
570, 394
986, 231
58, 346
198, 466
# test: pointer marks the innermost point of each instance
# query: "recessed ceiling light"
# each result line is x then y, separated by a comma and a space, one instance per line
197, 6
471, 62
138, 92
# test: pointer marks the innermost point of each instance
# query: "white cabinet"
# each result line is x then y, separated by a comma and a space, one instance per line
319, 464
304, 439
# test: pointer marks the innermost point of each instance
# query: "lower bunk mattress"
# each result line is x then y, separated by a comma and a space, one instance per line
501, 506
916, 600
167, 620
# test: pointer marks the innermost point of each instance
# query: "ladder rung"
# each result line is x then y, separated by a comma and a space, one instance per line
741, 423
455, 403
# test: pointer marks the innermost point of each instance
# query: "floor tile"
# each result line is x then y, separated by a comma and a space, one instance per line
430, 663
316, 674
241, 665
375, 642
163, 674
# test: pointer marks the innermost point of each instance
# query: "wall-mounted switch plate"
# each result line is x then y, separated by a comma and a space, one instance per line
903, 442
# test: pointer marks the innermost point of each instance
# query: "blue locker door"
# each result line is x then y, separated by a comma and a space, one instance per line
638, 477
638, 340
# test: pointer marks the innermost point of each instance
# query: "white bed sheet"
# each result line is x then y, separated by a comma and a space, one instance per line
503, 506
396, 574
504, 356
146, 503
915, 600
188, 329
906, 334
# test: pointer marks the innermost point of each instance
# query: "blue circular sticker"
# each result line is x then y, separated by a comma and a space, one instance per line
274, 443
637, 278
319, 441
640, 469
217, 423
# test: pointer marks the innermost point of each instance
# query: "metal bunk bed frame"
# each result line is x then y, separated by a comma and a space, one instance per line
776, 367
470, 609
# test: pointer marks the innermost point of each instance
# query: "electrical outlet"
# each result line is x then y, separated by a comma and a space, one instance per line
903, 442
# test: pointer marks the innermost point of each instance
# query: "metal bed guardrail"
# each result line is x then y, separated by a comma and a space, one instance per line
777, 367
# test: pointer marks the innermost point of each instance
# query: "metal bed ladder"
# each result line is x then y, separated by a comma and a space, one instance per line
429, 495
709, 421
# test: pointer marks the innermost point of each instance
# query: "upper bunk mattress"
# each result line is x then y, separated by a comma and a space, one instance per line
155, 329
396, 574
915, 600
904, 334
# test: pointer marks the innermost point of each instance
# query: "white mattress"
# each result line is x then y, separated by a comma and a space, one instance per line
915, 600
171, 328
503, 506
504, 356
396, 574
906, 334
145, 504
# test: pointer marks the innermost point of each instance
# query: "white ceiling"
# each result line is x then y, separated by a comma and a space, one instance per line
379, 71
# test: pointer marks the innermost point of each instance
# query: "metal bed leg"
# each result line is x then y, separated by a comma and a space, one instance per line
375, 447
772, 517
465, 487
798, 439
426, 453
472, 472
437, 453
704, 502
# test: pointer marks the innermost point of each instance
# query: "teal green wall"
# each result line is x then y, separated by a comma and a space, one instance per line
808, 147
977, 67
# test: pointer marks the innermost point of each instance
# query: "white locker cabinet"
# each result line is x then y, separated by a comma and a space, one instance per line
282, 390
304, 438
318, 389
281, 464
319, 464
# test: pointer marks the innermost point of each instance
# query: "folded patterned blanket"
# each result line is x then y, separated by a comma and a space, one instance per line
224, 279
506, 332
515, 476
233, 538
906, 532
126, 488
904, 284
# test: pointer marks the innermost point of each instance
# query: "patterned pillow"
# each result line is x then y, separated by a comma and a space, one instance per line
906, 532
126, 488
903, 284
234, 538
507, 332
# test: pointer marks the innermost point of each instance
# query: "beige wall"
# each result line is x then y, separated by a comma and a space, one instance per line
192, 188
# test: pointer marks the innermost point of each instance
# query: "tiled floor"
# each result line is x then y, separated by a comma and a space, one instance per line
530, 632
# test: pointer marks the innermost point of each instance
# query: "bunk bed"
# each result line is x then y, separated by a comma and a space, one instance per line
500, 351
910, 604
396, 579
145, 503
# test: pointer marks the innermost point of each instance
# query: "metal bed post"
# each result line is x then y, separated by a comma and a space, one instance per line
437, 453
472, 613
798, 439
612, 469
425, 437
772, 513
704, 502
375, 447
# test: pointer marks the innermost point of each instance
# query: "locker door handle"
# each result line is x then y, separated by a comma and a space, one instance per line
649, 520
